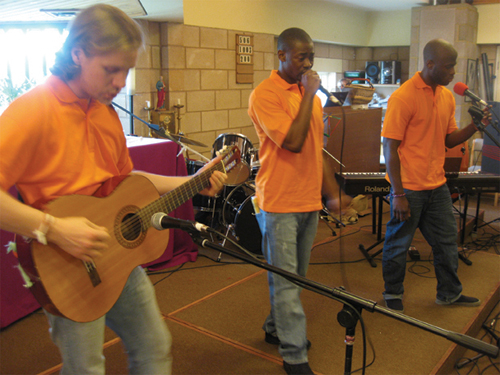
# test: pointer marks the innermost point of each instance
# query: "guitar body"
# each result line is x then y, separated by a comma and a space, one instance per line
65, 285
67, 288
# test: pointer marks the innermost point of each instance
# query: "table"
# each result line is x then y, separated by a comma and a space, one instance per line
148, 154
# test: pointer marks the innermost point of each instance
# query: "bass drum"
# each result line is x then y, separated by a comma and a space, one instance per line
241, 172
238, 211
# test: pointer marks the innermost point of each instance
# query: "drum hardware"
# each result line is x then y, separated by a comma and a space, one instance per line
179, 139
161, 133
327, 211
183, 139
229, 227
238, 216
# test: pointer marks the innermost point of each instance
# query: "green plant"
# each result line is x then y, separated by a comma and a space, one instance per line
8, 91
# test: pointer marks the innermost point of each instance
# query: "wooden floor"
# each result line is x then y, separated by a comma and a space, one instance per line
215, 310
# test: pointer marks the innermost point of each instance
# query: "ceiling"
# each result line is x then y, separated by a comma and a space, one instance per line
154, 10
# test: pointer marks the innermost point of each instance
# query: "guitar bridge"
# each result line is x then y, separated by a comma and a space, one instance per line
92, 272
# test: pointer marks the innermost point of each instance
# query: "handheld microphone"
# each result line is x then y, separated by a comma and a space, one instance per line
462, 89
161, 221
329, 95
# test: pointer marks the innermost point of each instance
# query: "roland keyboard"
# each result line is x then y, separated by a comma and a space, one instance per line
354, 183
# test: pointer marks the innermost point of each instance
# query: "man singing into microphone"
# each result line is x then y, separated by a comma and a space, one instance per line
418, 125
287, 116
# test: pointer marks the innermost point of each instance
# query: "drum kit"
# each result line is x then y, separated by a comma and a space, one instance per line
232, 209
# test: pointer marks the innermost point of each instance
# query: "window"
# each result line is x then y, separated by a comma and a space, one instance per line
329, 82
27, 54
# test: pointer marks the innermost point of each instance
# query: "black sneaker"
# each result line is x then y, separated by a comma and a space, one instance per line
394, 304
462, 301
299, 369
274, 340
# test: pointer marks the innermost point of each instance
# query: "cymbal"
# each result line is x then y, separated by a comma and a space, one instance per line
184, 139
177, 138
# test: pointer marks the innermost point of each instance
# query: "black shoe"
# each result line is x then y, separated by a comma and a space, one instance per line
394, 304
299, 369
462, 301
274, 340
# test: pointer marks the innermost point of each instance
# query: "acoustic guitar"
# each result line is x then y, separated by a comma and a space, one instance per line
83, 291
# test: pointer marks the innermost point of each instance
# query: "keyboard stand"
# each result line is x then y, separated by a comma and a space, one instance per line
376, 228
463, 222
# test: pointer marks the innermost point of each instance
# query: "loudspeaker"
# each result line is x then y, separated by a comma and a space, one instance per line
372, 70
490, 160
390, 72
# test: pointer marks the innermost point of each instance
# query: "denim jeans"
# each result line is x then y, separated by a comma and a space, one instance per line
287, 239
431, 212
135, 318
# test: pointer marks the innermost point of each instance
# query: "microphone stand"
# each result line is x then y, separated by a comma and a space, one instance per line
477, 115
353, 305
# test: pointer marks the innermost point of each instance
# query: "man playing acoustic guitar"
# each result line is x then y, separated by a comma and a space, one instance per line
63, 139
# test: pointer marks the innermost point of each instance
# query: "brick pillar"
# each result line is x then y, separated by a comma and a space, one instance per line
457, 24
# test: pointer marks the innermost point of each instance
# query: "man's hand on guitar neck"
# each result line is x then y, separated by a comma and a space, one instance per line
217, 179
79, 237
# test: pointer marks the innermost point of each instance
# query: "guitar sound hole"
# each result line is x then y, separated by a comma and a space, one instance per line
131, 227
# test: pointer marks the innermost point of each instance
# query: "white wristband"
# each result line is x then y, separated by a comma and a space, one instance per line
41, 232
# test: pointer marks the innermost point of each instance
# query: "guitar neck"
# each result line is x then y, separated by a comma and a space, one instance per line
174, 198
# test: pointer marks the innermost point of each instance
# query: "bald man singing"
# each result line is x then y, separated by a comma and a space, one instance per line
419, 124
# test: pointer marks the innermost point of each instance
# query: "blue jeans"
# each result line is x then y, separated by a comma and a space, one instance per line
431, 212
135, 318
287, 239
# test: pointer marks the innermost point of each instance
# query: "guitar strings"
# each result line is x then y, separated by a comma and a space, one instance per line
135, 223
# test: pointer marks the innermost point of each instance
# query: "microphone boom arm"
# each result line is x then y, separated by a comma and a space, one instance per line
359, 302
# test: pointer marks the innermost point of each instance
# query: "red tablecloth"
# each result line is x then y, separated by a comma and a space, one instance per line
151, 155
15, 300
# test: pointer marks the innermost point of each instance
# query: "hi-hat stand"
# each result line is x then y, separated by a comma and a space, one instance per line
353, 305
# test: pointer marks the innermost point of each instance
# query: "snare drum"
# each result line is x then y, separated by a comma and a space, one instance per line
240, 173
238, 210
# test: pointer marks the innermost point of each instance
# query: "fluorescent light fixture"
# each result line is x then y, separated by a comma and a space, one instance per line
61, 13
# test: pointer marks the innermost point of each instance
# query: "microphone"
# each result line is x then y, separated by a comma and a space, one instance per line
161, 221
329, 96
462, 89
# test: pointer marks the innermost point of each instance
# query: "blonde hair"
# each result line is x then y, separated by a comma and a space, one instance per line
97, 30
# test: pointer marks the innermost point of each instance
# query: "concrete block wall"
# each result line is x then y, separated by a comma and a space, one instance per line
198, 66
147, 72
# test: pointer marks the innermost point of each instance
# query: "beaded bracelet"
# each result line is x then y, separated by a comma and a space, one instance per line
398, 195
41, 232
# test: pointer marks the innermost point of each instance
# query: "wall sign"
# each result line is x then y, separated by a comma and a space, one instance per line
244, 58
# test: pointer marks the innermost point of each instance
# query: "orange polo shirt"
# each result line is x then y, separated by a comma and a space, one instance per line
420, 119
53, 144
286, 181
